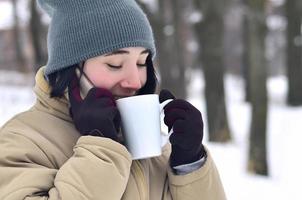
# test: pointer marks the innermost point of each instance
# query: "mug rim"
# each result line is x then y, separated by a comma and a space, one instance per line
135, 97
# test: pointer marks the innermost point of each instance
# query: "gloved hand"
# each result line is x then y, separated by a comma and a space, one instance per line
186, 139
96, 114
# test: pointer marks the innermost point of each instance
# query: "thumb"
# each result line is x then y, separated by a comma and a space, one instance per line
165, 95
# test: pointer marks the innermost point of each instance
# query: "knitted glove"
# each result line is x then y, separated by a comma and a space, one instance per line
96, 114
187, 124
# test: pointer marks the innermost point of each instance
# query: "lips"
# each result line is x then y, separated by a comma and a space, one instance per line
119, 97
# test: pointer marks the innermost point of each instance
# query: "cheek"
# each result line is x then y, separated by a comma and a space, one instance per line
103, 82
100, 77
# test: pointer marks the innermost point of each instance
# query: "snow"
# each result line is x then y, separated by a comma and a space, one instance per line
6, 16
284, 136
283, 143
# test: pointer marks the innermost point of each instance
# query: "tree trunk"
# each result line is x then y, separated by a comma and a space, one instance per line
172, 76
36, 29
245, 58
257, 161
172, 72
294, 52
20, 58
210, 37
178, 7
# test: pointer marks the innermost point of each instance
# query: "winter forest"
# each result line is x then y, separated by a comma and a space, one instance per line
238, 61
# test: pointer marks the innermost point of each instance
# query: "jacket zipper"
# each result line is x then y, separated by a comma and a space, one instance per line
138, 174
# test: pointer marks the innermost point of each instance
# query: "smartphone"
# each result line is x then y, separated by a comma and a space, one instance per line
85, 85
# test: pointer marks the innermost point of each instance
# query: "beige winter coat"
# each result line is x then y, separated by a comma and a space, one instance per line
42, 156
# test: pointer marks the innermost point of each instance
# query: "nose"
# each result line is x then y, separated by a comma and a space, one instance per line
132, 79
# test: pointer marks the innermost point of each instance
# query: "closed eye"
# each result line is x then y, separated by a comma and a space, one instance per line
141, 65
119, 66
114, 66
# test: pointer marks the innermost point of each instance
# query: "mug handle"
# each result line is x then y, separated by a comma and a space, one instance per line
165, 137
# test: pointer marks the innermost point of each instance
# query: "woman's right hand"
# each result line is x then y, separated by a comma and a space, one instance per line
96, 114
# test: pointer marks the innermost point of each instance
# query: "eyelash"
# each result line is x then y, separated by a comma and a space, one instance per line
119, 66
142, 65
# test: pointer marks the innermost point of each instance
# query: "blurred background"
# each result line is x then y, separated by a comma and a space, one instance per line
238, 61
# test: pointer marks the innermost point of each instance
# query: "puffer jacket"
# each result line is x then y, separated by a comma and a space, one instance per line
42, 156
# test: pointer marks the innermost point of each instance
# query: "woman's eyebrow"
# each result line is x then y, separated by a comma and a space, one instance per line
117, 52
125, 52
145, 51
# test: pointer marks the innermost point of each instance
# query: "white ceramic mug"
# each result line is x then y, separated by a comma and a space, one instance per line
141, 125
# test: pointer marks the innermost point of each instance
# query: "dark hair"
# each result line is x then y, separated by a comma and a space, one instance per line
60, 80
151, 83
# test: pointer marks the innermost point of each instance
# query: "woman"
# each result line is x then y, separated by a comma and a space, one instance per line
68, 145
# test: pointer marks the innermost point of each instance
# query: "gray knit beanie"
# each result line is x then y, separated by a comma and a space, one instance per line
82, 29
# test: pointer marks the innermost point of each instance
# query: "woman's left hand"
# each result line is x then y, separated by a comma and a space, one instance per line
96, 114
187, 124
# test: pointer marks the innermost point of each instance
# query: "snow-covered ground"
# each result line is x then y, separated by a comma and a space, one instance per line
284, 137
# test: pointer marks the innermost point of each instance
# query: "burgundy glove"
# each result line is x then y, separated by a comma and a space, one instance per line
95, 115
187, 124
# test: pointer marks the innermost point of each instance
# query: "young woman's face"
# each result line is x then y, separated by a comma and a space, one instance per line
123, 72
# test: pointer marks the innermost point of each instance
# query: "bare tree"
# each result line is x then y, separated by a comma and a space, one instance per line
180, 39
294, 51
36, 32
20, 57
245, 56
210, 36
256, 24
169, 46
